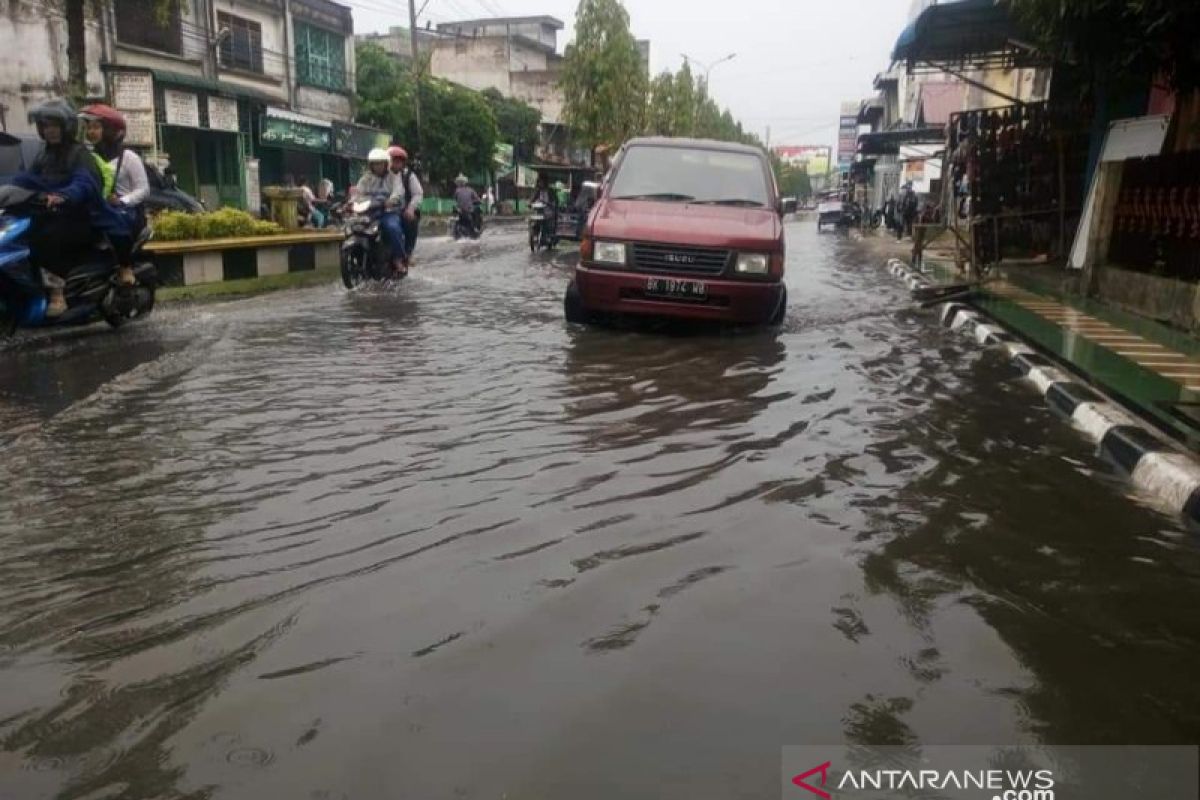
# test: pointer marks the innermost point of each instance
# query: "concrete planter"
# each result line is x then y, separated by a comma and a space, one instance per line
208, 261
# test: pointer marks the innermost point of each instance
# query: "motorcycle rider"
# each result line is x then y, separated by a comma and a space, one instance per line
414, 193
380, 181
467, 200
69, 180
105, 132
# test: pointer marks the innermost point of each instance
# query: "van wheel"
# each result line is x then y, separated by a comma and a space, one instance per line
781, 312
573, 308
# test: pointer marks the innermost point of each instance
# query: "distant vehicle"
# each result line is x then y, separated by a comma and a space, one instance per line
165, 194
832, 210
17, 154
684, 228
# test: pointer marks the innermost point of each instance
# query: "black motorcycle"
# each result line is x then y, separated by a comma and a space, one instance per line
365, 255
469, 225
91, 291
543, 221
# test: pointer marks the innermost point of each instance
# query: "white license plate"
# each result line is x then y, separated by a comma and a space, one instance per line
674, 287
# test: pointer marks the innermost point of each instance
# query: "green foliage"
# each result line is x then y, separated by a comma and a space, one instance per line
460, 131
1119, 42
384, 89
679, 105
518, 123
604, 79
793, 181
176, 226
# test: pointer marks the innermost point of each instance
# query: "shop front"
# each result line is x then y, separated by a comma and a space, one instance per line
197, 127
294, 146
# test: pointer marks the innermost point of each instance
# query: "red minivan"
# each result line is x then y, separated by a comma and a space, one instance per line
684, 228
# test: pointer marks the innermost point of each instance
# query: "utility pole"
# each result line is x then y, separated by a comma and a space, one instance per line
708, 68
416, 62
768, 138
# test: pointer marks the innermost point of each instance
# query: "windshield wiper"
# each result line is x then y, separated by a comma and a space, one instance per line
732, 201
657, 196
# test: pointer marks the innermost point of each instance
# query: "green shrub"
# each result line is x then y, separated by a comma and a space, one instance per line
175, 226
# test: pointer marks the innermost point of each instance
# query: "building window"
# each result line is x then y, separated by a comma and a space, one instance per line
150, 24
241, 48
320, 57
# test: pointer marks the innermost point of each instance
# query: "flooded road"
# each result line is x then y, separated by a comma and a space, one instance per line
431, 542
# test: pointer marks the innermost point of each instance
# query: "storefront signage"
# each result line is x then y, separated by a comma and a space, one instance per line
354, 141
290, 133
133, 96
182, 108
133, 90
223, 114
847, 139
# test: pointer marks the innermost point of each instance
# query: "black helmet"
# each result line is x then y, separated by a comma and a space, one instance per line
57, 110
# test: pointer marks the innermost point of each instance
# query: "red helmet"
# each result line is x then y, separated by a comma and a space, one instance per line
396, 151
107, 116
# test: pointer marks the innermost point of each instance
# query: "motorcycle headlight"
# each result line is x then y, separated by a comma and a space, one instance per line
609, 253
753, 264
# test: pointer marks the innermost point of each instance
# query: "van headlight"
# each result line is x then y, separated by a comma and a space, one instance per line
753, 264
609, 253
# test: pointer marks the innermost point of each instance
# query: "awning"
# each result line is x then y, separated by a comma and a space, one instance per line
870, 111
216, 87
965, 33
884, 143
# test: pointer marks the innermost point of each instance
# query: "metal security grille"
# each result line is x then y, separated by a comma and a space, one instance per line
680, 259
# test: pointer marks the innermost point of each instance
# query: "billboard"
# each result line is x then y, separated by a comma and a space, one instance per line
815, 157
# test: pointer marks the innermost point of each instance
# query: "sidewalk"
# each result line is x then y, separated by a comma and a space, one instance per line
1143, 363
1147, 365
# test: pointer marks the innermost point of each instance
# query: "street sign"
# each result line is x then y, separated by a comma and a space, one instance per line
223, 114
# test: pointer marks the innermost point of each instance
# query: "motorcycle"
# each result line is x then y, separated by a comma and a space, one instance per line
469, 225
542, 234
91, 291
365, 255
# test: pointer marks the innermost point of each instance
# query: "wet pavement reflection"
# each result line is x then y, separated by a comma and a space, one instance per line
429, 541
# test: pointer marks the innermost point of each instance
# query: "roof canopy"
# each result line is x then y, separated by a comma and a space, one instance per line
966, 33
883, 143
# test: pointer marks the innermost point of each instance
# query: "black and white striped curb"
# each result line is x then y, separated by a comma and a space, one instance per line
1153, 464
911, 277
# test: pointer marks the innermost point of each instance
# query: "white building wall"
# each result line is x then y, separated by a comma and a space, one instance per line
276, 66
475, 63
33, 38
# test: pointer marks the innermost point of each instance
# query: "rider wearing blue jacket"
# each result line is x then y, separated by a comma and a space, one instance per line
67, 176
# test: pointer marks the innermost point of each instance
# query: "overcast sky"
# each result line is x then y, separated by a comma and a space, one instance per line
797, 60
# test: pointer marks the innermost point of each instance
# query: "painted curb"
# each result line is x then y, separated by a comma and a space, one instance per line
1152, 463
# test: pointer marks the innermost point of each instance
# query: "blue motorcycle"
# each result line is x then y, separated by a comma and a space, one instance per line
91, 291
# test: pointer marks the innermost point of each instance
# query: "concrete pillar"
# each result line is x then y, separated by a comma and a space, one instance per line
1098, 234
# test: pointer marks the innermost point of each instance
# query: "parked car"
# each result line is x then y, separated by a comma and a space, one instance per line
165, 194
684, 228
17, 153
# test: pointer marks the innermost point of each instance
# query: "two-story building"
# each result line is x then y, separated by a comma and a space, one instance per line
235, 94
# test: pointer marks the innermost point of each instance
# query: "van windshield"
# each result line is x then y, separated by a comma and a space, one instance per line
676, 174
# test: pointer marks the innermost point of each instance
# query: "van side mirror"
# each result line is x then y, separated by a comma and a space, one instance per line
787, 205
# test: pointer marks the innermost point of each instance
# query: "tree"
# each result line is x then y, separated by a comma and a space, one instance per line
683, 102
518, 123
603, 79
659, 106
458, 123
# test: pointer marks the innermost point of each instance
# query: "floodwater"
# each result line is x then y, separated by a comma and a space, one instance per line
431, 542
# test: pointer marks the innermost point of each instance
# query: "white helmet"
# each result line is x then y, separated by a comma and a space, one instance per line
461, 180
378, 154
